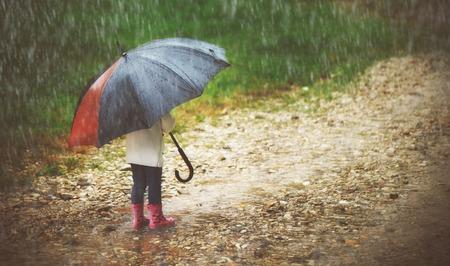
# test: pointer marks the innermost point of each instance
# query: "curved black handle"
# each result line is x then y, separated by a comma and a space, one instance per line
186, 160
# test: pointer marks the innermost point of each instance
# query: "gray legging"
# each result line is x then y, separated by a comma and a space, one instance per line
144, 176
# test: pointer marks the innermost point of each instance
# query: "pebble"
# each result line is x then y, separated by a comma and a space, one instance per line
269, 184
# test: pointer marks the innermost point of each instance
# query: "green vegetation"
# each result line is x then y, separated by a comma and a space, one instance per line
50, 50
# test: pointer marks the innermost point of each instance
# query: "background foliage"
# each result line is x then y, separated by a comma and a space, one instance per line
50, 49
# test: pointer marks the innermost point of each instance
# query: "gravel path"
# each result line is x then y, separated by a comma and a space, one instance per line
359, 179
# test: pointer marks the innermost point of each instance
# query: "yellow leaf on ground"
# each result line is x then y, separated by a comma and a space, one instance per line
351, 242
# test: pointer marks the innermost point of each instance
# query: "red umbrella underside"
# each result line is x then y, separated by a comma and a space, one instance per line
85, 124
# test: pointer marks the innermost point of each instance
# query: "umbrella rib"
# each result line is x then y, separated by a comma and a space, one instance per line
133, 91
153, 61
135, 95
203, 53
187, 49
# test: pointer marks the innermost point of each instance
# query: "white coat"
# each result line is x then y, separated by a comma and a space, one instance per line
145, 147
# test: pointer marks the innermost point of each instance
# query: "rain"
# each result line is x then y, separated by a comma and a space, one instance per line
300, 70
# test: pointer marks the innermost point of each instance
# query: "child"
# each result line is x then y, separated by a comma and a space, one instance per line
145, 154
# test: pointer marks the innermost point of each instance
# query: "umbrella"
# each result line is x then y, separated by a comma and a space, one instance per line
141, 86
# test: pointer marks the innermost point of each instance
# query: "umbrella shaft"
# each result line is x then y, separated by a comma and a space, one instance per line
174, 140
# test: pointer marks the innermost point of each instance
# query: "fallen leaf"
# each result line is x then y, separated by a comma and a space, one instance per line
350, 242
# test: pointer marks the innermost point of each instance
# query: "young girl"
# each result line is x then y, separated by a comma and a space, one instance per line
145, 154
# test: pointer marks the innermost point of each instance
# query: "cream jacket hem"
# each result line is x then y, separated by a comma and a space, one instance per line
145, 147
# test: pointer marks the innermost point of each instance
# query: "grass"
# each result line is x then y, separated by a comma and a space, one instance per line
52, 48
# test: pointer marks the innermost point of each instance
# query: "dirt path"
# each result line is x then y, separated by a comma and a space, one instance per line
414, 230
362, 180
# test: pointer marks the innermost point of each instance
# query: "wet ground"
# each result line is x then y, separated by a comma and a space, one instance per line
362, 179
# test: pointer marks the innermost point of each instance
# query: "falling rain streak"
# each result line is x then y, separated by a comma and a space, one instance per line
50, 49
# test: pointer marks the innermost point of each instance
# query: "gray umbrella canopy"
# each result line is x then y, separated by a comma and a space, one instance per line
142, 86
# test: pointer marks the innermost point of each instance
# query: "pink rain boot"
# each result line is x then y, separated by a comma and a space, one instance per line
138, 215
157, 219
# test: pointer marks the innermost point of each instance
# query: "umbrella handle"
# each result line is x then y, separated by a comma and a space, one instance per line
186, 160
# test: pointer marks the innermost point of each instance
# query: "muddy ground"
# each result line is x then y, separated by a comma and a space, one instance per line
360, 179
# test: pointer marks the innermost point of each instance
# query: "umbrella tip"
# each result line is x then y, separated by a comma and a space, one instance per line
120, 48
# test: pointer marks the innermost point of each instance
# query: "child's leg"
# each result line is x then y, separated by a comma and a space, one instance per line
156, 216
139, 184
153, 175
137, 195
